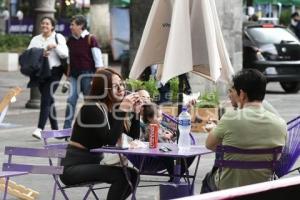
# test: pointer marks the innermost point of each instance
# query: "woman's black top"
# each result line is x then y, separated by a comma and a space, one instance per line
92, 130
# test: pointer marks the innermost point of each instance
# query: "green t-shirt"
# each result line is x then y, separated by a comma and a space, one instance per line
250, 127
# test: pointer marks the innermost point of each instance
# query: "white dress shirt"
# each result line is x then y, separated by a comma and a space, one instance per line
61, 50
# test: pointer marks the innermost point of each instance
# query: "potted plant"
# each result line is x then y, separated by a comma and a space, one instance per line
151, 87
206, 109
10, 47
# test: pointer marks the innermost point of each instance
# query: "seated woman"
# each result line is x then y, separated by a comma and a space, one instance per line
101, 121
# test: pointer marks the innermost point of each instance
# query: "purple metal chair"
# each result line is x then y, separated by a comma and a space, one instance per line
220, 162
12, 168
291, 150
65, 133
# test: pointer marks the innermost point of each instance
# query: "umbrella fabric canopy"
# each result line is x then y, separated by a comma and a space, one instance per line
184, 36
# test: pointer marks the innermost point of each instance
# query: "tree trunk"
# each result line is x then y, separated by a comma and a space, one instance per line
139, 11
100, 22
249, 3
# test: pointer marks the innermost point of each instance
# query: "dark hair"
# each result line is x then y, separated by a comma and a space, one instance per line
100, 84
52, 21
253, 18
252, 82
149, 111
295, 14
80, 20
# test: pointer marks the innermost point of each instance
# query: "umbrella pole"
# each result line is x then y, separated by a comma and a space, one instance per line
180, 99
180, 93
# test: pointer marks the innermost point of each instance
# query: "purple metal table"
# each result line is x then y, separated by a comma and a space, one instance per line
4, 174
176, 153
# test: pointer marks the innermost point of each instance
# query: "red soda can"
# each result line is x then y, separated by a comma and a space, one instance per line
153, 135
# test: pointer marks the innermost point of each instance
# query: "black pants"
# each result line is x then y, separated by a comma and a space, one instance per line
81, 166
47, 108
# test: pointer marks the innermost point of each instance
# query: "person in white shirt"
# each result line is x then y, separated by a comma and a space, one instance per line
55, 49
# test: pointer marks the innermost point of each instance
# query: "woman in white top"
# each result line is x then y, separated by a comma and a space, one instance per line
55, 48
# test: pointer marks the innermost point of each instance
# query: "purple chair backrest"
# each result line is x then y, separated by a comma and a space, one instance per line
56, 134
291, 150
33, 152
171, 123
238, 164
62, 145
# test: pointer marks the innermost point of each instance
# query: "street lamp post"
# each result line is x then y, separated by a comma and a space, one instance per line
20, 16
42, 9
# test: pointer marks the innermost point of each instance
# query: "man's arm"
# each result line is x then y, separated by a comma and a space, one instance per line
96, 51
212, 141
97, 56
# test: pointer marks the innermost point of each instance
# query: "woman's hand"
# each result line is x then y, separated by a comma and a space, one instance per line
46, 53
131, 103
51, 46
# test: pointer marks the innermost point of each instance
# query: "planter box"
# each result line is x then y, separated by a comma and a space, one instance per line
200, 116
9, 61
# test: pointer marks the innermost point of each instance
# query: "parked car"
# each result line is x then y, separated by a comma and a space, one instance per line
275, 51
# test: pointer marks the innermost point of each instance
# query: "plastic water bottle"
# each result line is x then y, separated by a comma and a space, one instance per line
184, 126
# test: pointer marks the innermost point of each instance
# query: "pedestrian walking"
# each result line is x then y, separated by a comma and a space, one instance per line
295, 25
85, 58
54, 52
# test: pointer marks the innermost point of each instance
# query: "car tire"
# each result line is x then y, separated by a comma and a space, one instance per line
290, 87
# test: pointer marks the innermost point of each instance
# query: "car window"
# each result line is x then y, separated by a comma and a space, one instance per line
271, 35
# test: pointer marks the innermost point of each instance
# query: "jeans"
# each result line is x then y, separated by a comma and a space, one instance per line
79, 84
47, 89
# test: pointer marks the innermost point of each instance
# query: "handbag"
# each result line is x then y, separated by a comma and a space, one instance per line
63, 61
208, 183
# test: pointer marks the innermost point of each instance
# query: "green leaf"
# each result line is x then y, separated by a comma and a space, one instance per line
14, 43
208, 100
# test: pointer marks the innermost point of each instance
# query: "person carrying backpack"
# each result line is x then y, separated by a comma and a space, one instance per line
85, 57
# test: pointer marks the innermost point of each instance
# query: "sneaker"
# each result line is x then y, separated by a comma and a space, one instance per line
37, 133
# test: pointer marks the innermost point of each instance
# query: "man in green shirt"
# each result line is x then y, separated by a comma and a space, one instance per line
250, 127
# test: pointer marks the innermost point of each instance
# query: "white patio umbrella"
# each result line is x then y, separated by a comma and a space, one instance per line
183, 36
